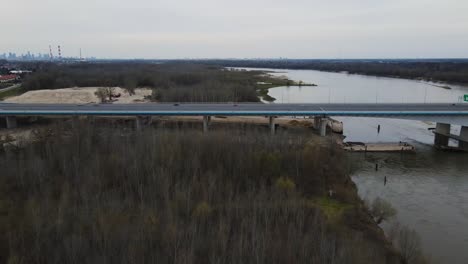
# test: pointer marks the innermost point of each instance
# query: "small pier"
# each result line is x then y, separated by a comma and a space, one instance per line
378, 147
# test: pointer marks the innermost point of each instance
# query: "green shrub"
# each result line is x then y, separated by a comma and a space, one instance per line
203, 209
285, 184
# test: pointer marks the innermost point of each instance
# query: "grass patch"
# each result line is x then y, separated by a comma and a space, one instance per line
331, 208
13, 92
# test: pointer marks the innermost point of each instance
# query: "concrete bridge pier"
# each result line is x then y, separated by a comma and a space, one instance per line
141, 122
463, 141
272, 125
320, 124
75, 121
317, 122
206, 123
11, 122
442, 132
91, 119
323, 127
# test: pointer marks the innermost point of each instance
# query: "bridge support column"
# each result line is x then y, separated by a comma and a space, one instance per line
272, 125
320, 124
317, 120
206, 123
463, 142
91, 119
11, 122
141, 122
75, 121
323, 127
442, 132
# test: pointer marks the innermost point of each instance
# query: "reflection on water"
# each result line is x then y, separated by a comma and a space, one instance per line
391, 130
429, 188
350, 88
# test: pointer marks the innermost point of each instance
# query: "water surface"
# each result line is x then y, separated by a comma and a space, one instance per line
428, 188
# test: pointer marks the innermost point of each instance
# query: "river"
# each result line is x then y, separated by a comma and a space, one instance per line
428, 188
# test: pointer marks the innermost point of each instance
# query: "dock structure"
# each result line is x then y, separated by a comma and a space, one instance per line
378, 147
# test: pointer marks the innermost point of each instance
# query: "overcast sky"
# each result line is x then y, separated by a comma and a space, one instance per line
237, 28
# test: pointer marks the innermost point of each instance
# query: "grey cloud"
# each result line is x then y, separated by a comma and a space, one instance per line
242, 28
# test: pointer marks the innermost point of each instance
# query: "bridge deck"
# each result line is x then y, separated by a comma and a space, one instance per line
237, 109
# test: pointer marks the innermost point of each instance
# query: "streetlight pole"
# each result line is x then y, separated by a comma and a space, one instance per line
425, 94
376, 94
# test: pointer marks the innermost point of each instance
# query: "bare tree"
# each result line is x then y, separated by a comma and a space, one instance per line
382, 210
174, 196
110, 92
101, 94
130, 85
105, 93
410, 245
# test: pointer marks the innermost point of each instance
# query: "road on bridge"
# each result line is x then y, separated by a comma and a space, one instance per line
235, 109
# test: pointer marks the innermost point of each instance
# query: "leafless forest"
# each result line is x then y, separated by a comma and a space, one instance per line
103, 194
170, 82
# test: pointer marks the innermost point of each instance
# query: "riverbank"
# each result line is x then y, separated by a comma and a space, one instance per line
418, 184
454, 71
273, 81
269, 81
75, 95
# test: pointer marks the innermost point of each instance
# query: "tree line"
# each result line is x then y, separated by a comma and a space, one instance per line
171, 82
452, 71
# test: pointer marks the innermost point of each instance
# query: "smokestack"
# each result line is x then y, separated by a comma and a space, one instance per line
59, 52
50, 53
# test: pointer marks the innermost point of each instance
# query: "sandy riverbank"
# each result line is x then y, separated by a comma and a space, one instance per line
77, 96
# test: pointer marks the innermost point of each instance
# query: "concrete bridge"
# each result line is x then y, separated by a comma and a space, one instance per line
444, 115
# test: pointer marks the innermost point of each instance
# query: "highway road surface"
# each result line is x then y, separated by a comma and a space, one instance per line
234, 109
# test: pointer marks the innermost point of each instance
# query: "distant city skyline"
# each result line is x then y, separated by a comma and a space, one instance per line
27, 55
164, 29
39, 56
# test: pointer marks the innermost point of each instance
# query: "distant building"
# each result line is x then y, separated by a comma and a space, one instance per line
8, 78
20, 71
